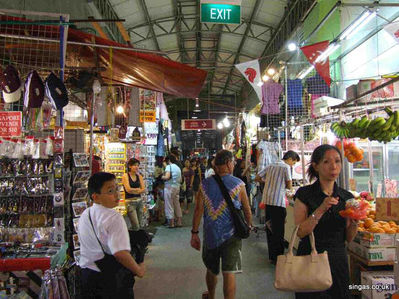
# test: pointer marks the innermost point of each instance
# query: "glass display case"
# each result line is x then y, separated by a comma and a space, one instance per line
384, 159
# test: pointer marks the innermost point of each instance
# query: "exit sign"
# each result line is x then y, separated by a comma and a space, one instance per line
220, 13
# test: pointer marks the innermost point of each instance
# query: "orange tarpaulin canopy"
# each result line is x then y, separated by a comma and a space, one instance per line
145, 70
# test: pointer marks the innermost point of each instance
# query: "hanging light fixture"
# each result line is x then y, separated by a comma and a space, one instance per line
120, 109
265, 78
220, 126
292, 47
226, 122
271, 71
362, 21
197, 102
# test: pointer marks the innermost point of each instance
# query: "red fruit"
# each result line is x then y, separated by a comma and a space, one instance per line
364, 194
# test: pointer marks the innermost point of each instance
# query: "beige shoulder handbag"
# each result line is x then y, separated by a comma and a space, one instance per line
308, 273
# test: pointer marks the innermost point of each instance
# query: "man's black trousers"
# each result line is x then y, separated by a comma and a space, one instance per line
275, 237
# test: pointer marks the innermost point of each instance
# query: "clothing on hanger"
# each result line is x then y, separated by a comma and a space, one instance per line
270, 94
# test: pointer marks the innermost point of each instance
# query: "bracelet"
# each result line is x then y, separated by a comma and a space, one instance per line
314, 217
194, 232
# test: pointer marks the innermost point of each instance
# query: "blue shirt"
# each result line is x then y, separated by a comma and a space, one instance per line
175, 175
294, 91
218, 223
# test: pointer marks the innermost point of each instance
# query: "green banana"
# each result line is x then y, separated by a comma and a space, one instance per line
396, 121
388, 123
388, 111
377, 123
362, 122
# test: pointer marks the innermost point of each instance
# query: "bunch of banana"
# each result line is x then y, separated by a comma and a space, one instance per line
380, 129
384, 130
340, 129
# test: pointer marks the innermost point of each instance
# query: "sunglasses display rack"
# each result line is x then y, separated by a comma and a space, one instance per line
115, 153
78, 200
31, 232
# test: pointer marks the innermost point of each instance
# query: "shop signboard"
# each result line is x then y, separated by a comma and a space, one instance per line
10, 123
148, 103
220, 13
198, 124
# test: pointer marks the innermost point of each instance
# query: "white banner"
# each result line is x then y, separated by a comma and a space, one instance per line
393, 30
251, 72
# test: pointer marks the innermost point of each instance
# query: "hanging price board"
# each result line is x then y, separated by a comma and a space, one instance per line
387, 209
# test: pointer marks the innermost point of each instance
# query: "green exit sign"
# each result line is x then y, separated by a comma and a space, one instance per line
220, 13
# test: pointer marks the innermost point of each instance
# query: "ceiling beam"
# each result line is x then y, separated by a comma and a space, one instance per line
148, 18
215, 49
244, 37
177, 25
198, 36
105, 10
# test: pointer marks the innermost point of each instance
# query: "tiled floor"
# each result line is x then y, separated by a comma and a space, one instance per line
175, 270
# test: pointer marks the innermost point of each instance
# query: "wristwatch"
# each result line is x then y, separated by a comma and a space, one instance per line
314, 217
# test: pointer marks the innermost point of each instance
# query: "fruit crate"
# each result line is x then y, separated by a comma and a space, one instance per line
370, 240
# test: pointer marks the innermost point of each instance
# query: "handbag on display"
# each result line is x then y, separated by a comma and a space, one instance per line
242, 229
307, 273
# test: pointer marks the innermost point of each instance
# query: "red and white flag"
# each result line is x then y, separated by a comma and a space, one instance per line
312, 52
251, 72
393, 30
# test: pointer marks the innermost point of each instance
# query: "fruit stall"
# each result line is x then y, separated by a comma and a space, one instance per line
366, 131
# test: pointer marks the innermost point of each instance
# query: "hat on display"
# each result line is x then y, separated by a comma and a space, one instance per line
10, 84
34, 91
56, 91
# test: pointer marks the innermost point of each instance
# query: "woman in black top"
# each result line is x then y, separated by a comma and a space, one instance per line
197, 176
316, 209
134, 186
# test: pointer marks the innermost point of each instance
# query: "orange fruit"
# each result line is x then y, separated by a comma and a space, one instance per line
368, 222
351, 158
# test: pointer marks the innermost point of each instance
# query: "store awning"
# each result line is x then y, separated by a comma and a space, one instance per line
127, 67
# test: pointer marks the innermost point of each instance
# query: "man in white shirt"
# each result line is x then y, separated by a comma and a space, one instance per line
111, 230
277, 178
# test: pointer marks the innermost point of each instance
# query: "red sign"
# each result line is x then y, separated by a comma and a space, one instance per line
10, 123
198, 124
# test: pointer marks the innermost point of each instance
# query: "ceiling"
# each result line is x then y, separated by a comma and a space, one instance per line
173, 27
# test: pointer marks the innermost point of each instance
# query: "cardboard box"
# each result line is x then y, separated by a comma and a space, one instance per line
378, 285
387, 209
377, 254
375, 239
363, 86
351, 92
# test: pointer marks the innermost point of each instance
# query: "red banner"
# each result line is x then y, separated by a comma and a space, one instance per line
10, 123
198, 124
322, 67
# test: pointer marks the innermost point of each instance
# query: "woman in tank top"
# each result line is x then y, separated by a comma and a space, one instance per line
134, 186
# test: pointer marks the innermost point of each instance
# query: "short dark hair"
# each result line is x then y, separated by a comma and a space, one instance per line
132, 162
223, 157
172, 159
293, 155
175, 151
317, 156
210, 160
97, 180
97, 158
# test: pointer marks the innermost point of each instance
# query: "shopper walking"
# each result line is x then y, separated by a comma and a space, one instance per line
197, 176
316, 210
133, 184
172, 179
188, 175
277, 178
220, 244
103, 230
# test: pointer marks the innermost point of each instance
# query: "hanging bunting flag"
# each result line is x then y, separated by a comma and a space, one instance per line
323, 66
393, 30
251, 72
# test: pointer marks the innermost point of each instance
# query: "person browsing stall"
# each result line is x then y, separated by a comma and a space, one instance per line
102, 228
277, 178
133, 184
316, 210
220, 244
172, 179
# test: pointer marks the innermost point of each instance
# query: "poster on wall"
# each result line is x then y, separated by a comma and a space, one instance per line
10, 123
148, 103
